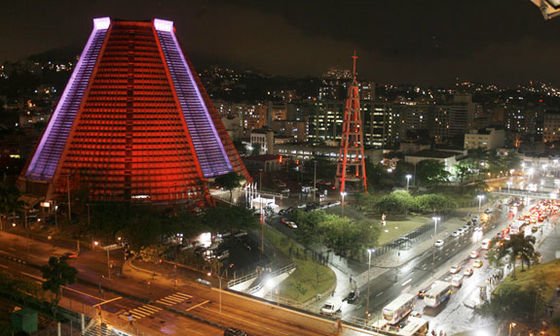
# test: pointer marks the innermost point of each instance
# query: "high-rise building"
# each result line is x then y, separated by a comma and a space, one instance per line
133, 123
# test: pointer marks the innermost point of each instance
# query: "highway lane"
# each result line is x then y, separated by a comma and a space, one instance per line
84, 296
143, 293
413, 275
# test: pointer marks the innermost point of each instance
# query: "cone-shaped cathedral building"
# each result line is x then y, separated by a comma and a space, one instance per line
133, 123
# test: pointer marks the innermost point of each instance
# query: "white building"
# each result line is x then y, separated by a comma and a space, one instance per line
486, 138
449, 159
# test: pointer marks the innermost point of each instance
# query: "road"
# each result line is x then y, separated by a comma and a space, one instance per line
156, 304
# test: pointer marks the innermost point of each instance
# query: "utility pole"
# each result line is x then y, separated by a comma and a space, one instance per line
69, 206
314, 179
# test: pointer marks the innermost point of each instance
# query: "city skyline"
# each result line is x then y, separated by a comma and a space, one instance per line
502, 42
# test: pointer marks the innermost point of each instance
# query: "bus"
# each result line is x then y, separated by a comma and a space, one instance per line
395, 311
412, 326
415, 326
439, 293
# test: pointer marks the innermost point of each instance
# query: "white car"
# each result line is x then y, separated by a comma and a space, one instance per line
455, 269
460, 231
438, 243
291, 224
468, 272
329, 308
474, 254
455, 234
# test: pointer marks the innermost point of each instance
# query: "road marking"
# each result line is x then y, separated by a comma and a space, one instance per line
107, 301
378, 294
174, 299
141, 311
197, 305
406, 282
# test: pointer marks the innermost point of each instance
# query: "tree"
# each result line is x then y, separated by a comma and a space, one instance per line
518, 245
377, 176
435, 203
9, 202
57, 273
229, 181
431, 172
220, 219
511, 301
308, 226
463, 169
396, 203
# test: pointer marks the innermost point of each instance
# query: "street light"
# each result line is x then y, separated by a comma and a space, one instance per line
436, 220
342, 194
480, 198
509, 183
408, 177
370, 251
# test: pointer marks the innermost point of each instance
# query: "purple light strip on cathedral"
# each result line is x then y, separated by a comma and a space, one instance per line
207, 143
49, 151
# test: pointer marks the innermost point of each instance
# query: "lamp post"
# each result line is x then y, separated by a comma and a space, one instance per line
370, 251
509, 183
408, 177
69, 198
342, 194
480, 198
436, 220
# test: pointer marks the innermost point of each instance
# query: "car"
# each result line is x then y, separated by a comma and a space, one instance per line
352, 296
460, 231
468, 272
488, 211
438, 243
291, 224
466, 229
234, 332
329, 308
477, 263
457, 280
455, 269
70, 255
421, 293
455, 234
478, 229
474, 254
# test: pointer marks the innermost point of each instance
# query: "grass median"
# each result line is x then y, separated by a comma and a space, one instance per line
310, 277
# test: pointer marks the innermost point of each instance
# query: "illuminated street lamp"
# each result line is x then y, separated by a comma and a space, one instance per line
342, 195
480, 198
408, 177
436, 219
370, 251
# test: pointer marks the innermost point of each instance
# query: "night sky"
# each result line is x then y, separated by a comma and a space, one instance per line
398, 41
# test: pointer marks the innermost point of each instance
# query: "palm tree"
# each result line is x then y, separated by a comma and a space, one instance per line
521, 246
57, 273
9, 202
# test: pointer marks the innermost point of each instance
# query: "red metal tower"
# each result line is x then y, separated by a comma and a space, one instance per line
351, 166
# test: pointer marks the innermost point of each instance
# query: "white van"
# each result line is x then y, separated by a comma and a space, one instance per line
457, 280
485, 245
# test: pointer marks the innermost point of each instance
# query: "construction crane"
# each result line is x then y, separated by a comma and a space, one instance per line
549, 8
